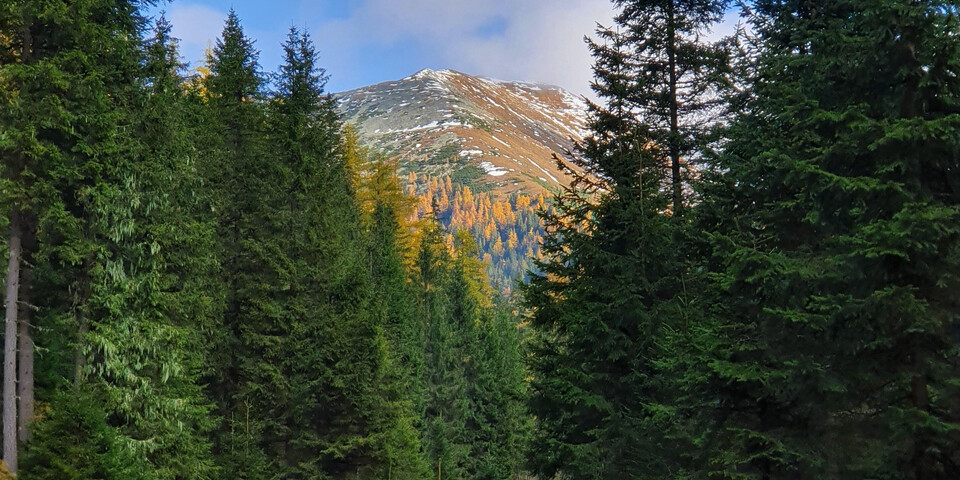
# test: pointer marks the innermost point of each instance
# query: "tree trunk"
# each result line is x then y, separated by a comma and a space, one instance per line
79, 359
674, 140
921, 401
25, 360
10, 346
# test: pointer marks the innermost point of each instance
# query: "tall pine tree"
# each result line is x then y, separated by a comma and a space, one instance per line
833, 212
610, 297
344, 415
113, 343
234, 166
445, 440
395, 301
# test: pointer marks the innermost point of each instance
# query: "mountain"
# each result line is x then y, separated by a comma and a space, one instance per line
476, 152
491, 135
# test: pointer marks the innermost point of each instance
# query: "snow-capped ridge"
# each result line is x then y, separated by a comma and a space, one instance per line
495, 133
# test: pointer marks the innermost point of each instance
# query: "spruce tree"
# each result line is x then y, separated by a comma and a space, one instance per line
833, 215
609, 299
96, 263
445, 439
345, 413
182, 249
671, 76
75, 442
233, 165
499, 417
109, 242
496, 425
396, 306
19, 205
456, 345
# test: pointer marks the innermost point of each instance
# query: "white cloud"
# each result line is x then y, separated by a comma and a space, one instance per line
197, 26
534, 40
542, 43
541, 40
727, 26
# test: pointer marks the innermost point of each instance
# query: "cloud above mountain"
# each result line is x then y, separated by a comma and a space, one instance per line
514, 40
369, 41
536, 40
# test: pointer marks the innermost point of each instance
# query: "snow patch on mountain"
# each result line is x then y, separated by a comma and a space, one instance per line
440, 122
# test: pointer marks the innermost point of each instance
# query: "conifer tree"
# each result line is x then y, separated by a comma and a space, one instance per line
671, 76
235, 167
456, 343
97, 262
395, 303
609, 296
834, 210
496, 425
336, 355
75, 442
445, 406
499, 418
45, 90
179, 238
19, 205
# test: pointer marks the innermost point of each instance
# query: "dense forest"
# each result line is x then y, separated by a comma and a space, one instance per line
508, 231
207, 295
754, 275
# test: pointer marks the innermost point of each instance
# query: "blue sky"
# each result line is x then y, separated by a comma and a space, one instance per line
362, 42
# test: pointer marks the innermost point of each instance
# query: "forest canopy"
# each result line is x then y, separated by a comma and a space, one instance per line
754, 274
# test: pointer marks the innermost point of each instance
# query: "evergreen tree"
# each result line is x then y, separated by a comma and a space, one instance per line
336, 357
19, 204
499, 415
137, 346
456, 350
395, 303
496, 423
182, 248
609, 299
96, 265
234, 167
444, 434
671, 75
75, 442
833, 210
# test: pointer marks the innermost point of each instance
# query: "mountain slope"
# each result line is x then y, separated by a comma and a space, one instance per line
488, 134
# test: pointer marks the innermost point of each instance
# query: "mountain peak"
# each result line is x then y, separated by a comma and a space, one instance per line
489, 134
434, 74
426, 72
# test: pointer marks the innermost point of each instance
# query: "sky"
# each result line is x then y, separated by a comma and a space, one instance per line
362, 42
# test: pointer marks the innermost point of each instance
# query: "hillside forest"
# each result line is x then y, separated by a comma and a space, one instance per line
754, 274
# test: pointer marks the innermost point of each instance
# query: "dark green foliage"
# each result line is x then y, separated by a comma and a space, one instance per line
75, 442
233, 165
656, 66
474, 420
603, 306
395, 303
446, 154
97, 279
208, 302
498, 420
307, 387
444, 424
610, 305
337, 355
835, 247
467, 175
179, 239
